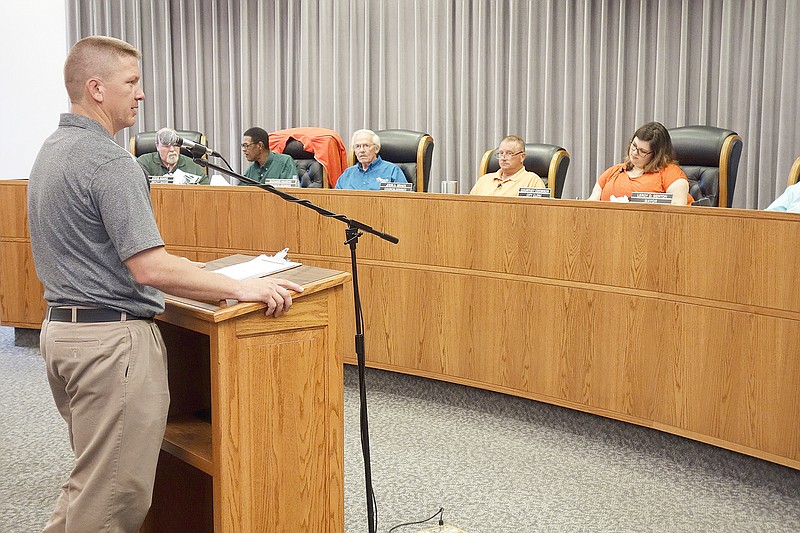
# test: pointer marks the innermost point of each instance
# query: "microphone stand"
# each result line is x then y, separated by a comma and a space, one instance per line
354, 230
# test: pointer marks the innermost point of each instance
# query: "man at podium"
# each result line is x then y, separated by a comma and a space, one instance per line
101, 259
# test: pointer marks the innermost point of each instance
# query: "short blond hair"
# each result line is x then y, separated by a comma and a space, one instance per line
519, 141
92, 57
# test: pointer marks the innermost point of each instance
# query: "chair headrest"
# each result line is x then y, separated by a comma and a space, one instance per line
699, 145
294, 148
399, 146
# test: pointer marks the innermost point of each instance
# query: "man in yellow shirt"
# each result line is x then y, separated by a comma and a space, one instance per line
512, 176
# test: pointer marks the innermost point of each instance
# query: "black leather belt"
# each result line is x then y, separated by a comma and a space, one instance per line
79, 314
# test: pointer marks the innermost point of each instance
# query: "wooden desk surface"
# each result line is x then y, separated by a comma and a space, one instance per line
677, 318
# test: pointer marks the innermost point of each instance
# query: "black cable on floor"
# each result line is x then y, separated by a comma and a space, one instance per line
439, 513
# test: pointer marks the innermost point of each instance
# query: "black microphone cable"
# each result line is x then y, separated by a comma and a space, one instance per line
439, 513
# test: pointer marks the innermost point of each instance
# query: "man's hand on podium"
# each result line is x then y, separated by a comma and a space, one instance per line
176, 276
272, 291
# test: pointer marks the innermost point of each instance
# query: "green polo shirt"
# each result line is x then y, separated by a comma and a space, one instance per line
277, 166
153, 166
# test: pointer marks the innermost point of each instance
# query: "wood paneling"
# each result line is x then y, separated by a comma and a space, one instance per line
21, 293
678, 318
14, 212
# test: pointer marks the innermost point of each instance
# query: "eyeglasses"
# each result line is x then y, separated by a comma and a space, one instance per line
364, 146
245, 146
507, 155
636, 150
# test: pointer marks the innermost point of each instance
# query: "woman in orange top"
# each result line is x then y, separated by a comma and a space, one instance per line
649, 166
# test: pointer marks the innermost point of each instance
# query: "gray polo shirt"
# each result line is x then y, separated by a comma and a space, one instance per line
89, 210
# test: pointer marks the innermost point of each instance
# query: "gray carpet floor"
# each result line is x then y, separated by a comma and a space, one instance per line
495, 463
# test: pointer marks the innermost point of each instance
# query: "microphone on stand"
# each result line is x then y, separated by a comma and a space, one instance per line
196, 149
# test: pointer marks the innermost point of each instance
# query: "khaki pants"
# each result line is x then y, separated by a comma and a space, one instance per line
109, 382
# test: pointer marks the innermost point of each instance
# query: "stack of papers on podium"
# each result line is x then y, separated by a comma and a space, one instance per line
261, 266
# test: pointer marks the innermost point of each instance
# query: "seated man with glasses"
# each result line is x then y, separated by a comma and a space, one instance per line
266, 164
512, 175
370, 170
168, 160
649, 166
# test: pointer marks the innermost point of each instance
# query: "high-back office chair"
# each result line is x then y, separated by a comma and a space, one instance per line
144, 142
710, 158
548, 161
310, 172
794, 173
410, 150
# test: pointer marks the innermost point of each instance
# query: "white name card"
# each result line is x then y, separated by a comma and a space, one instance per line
394, 186
651, 197
534, 192
284, 183
178, 178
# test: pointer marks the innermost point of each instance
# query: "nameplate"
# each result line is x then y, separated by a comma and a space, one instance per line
651, 197
283, 183
534, 192
394, 186
179, 178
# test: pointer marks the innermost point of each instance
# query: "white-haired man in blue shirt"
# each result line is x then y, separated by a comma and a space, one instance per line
370, 170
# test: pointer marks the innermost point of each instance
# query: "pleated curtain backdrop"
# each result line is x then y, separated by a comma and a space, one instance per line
583, 74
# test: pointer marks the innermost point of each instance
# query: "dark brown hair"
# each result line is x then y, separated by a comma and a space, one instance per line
660, 143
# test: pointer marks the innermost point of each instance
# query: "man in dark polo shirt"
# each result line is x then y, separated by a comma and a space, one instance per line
266, 164
100, 256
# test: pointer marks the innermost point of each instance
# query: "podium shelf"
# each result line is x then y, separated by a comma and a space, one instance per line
189, 439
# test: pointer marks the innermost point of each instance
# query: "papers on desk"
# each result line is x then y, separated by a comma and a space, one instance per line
263, 265
182, 178
218, 179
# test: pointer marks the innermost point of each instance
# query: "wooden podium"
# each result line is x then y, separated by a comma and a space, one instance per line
254, 439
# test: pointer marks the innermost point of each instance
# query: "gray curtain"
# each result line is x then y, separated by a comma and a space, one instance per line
579, 73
